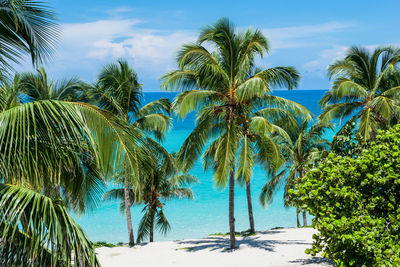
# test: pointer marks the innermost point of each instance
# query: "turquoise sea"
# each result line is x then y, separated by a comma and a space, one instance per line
208, 212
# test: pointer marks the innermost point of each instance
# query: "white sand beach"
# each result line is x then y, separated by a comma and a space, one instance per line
281, 247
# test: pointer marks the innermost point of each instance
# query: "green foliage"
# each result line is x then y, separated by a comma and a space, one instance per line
354, 202
237, 234
347, 142
100, 244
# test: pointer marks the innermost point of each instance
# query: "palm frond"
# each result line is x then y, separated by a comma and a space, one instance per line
27, 28
145, 224
175, 80
273, 185
246, 161
47, 235
189, 101
162, 223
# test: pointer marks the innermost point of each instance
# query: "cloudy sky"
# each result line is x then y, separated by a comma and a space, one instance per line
307, 34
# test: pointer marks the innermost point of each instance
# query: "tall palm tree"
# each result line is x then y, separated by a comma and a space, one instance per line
216, 84
164, 182
363, 87
118, 91
26, 28
307, 142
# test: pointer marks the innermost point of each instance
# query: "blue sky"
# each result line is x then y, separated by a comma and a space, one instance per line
307, 34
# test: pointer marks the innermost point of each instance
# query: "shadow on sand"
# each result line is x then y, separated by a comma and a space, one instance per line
222, 243
313, 260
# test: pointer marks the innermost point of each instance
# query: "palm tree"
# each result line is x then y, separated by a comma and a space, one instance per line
260, 144
164, 182
37, 86
216, 84
119, 92
364, 88
261, 139
308, 142
26, 28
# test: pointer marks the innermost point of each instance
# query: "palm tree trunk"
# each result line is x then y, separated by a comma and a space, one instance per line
152, 227
250, 208
128, 213
304, 218
232, 207
300, 170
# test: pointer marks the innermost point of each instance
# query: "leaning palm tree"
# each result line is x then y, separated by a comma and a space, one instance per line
26, 28
118, 91
364, 88
216, 84
44, 139
82, 184
306, 144
164, 182
35, 140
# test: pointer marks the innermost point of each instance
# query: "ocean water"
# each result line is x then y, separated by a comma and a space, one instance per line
208, 212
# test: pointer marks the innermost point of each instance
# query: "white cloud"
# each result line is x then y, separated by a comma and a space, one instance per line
318, 66
326, 57
302, 36
105, 40
119, 10
87, 46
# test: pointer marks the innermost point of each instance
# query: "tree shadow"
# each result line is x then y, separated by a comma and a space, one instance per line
213, 243
313, 260
210, 243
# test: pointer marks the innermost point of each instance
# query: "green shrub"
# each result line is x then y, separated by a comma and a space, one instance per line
355, 204
100, 244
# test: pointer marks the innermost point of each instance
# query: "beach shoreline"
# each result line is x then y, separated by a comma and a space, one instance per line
278, 247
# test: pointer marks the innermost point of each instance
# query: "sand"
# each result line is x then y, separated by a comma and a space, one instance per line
281, 247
